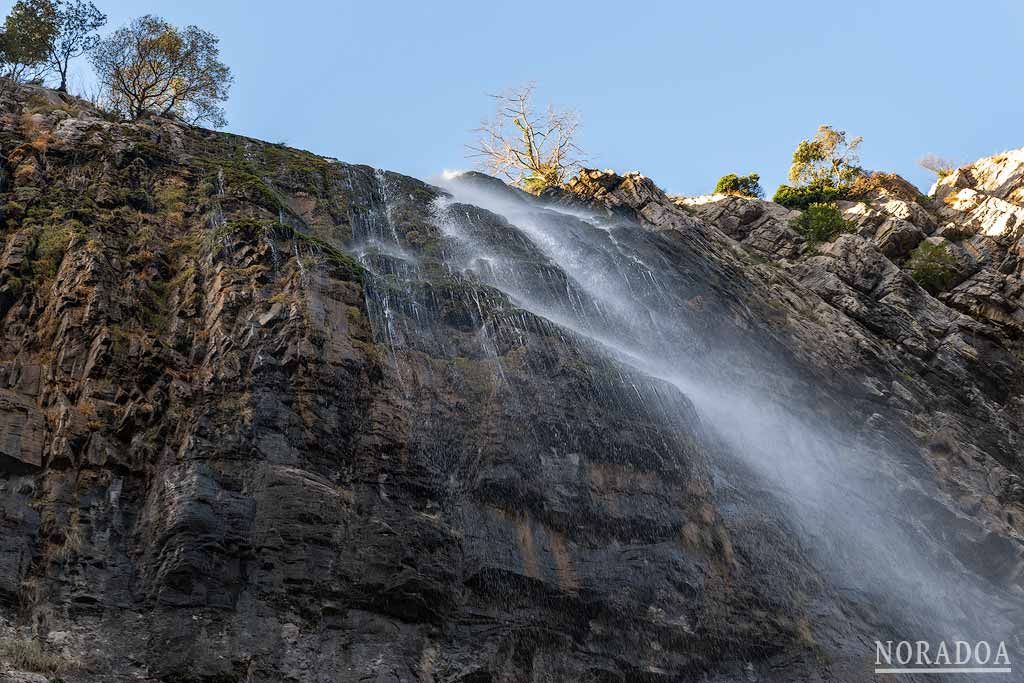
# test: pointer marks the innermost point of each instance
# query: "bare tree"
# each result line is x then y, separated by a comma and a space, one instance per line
75, 26
149, 66
530, 150
937, 165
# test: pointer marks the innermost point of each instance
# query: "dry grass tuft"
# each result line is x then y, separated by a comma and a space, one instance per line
28, 655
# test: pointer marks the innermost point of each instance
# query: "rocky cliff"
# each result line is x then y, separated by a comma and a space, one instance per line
270, 416
946, 367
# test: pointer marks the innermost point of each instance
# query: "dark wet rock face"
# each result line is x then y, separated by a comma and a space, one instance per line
267, 416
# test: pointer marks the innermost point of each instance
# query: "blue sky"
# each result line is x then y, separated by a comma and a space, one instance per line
683, 92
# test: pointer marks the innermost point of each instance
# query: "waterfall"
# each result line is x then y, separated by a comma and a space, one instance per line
653, 315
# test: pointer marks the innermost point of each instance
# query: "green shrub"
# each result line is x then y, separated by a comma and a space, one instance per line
932, 266
535, 184
802, 197
743, 186
820, 223
546, 175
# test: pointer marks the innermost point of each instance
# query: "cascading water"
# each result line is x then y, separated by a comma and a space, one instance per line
667, 330
622, 291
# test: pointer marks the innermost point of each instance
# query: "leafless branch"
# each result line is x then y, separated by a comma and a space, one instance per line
528, 149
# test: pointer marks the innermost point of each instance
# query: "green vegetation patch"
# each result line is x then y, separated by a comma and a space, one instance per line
932, 266
238, 179
51, 243
267, 228
821, 222
802, 197
743, 186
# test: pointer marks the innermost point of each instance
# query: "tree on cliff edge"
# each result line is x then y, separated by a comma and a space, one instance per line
75, 26
150, 66
823, 170
828, 159
25, 40
530, 150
